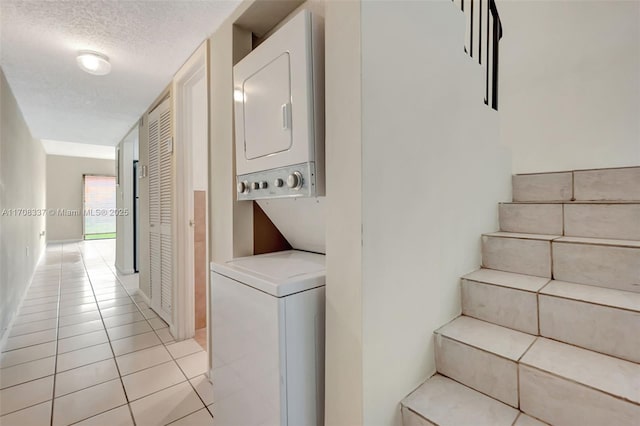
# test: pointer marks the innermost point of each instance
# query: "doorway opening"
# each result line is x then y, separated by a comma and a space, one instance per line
99, 207
136, 217
192, 179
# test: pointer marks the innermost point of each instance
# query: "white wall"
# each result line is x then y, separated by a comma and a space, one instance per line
22, 186
124, 200
570, 83
433, 171
231, 222
64, 191
343, 153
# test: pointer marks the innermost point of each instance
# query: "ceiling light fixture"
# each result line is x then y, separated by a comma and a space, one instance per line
93, 62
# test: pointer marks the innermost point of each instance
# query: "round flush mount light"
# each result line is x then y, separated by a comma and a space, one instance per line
93, 62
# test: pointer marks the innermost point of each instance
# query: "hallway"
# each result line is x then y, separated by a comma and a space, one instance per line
85, 349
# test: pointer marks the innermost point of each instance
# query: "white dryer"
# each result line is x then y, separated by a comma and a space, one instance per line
279, 113
268, 332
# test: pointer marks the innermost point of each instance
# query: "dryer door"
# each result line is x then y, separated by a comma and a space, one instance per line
274, 100
266, 102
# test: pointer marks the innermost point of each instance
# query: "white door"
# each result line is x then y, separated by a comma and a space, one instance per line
161, 210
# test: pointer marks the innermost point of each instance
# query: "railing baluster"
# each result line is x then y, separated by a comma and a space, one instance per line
491, 41
480, 34
497, 35
471, 32
486, 93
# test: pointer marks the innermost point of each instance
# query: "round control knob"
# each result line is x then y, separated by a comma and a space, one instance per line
294, 181
243, 187
256, 185
278, 183
263, 185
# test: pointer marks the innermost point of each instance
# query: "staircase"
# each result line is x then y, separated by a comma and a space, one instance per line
550, 326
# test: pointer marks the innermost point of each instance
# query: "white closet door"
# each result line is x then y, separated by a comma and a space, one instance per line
154, 204
161, 210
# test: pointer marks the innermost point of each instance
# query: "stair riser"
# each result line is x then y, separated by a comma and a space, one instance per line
562, 402
607, 184
603, 266
531, 218
507, 307
409, 418
615, 221
599, 328
487, 373
543, 187
530, 257
587, 185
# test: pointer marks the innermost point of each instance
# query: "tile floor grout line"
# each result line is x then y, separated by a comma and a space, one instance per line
181, 370
138, 308
98, 414
206, 407
152, 366
159, 390
147, 314
28, 346
55, 365
176, 362
124, 390
31, 360
177, 420
80, 334
85, 388
35, 331
30, 380
43, 319
24, 408
206, 374
51, 302
84, 347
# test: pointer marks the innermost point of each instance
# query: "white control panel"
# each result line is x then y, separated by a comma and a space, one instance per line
292, 181
279, 113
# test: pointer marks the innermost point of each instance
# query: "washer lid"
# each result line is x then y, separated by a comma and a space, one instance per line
279, 274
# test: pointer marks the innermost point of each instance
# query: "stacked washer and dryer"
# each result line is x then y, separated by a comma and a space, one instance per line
267, 311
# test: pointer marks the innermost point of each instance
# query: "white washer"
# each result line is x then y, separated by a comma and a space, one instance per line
268, 332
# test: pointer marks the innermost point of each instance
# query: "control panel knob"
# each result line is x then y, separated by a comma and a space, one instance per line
294, 181
243, 187
278, 183
256, 185
263, 185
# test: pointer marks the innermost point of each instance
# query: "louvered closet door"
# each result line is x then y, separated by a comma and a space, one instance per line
161, 210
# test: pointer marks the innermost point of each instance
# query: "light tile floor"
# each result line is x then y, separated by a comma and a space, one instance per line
201, 337
84, 351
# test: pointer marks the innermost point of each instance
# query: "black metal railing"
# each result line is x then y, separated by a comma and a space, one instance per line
482, 40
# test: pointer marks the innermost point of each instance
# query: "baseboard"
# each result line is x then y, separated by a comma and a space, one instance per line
14, 315
74, 240
145, 298
127, 272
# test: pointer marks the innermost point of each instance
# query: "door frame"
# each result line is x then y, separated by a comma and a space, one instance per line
184, 292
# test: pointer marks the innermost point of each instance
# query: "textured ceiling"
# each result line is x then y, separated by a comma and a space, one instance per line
146, 41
